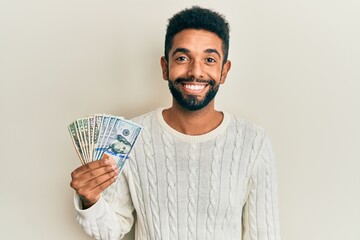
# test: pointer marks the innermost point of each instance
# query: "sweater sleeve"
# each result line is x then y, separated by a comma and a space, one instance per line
111, 217
260, 213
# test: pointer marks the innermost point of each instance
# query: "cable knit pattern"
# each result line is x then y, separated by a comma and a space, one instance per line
256, 142
193, 166
135, 170
214, 187
171, 184
234, 168
252, 194
219, 185
268, 198
254, 149
151, 174
252, 212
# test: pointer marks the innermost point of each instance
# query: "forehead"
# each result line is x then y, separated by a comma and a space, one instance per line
196, 40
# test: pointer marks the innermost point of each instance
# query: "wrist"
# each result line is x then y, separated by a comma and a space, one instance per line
86, 203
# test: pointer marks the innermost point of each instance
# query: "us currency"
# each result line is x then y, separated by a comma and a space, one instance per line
107, 131
79, 133
121, 140
104, 126
94, 135
96, 131
85, 125
76, 141
91, 121
80, 130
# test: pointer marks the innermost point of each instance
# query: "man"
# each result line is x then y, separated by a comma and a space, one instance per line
195, 173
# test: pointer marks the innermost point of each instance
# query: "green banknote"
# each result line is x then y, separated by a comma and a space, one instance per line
97, 134
75, 139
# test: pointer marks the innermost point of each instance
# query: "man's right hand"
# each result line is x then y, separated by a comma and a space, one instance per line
91, 179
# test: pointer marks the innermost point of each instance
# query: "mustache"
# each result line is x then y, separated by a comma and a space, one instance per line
192, 79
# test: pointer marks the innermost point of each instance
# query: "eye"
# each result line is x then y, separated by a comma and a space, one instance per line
210, 60
181, 58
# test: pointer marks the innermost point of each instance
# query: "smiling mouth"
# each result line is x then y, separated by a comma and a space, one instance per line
193, 88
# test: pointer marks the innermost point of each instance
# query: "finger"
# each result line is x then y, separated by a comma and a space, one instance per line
101, 187
105, 161
105, 155
96, 175
103, 182
93, 188
99, 175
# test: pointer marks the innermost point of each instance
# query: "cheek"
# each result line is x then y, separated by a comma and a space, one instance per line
214, 73
176, 71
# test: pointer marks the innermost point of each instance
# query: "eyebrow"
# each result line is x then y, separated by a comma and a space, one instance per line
181, 50
212, 50
185, 50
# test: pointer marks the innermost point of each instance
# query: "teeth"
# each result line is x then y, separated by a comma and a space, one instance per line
194, 87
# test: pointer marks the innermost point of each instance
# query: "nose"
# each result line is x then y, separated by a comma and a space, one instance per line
196, 70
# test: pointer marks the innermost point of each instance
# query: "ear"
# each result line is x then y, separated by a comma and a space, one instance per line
225, 70
164, 68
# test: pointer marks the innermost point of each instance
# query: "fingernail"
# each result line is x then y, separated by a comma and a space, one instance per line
113, 165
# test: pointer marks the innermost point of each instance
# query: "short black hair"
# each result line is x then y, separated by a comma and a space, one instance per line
198, 18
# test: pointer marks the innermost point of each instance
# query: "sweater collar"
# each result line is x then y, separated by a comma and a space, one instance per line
193, 138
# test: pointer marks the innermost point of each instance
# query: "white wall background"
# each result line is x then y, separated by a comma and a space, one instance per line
295, 72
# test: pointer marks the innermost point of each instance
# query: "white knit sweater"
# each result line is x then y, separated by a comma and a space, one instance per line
220, 185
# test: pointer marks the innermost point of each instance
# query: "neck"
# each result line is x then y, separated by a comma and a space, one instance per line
193, 122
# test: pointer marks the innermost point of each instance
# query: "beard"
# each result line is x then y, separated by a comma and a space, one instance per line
192, 102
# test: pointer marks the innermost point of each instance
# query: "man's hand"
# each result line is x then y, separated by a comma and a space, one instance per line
91, 179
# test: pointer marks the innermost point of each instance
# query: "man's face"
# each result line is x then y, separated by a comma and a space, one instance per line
120, 147
195, 69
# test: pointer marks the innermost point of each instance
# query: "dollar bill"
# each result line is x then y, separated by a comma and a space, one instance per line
121, 140
80, 130
104, 126
97, 134
91, 121
85, 122
107, 131
76, 141
97, 127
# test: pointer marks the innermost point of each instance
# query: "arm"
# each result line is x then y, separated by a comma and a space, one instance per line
103, 206
260, 213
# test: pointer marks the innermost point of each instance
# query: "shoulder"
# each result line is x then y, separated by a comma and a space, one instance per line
245, 127
250, 135
144, 117
254, 140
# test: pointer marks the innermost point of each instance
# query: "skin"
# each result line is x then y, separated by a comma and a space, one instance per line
91, 179
197, 54
194, 53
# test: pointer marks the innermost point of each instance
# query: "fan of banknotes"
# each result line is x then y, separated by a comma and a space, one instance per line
97, 134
